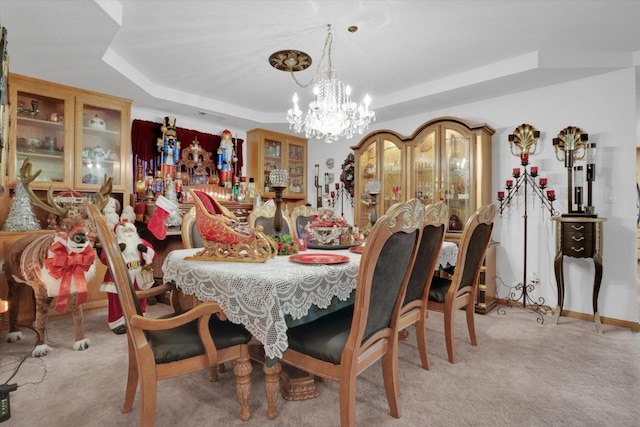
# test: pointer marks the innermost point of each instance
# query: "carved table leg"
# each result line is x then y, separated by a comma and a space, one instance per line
296, 384
558, 267
597, 280
242, 370
271, 388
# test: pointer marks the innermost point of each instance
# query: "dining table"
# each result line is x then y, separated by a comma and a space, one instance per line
264, 297
269, 297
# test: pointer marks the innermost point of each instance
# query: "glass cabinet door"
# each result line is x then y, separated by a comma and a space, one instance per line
103, 141
273, 152
41, 133
297, 169
457, 177
99, 144
393, 173
425, 185
367, 171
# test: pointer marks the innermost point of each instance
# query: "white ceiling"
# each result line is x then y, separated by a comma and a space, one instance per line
188, 56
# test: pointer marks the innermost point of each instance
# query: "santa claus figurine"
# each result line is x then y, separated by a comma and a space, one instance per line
138, 254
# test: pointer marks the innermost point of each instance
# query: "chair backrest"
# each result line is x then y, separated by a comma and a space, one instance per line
431, 238
300, 217
115, 262
384, 269
191, 238
263, 215
473, 245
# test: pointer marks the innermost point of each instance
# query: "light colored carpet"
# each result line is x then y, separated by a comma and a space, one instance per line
521, 374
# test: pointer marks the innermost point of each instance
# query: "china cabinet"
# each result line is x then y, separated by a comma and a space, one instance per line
267, 150
74, 136
446, 158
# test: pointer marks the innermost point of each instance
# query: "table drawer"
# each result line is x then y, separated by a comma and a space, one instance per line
577, 239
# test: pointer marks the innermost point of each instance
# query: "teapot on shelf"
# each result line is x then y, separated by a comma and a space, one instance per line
96, 153
97, 123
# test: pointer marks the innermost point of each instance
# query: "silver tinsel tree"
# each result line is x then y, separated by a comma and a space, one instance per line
21, 216
175, 218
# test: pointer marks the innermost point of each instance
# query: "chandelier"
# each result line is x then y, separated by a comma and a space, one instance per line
332, 113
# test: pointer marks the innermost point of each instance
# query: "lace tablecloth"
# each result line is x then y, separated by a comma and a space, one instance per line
259, 295
448, 255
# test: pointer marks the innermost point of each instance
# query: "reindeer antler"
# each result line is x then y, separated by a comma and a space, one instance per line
102, 196
27, 178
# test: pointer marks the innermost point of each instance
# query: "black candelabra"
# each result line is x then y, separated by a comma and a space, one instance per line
523, 143
279, 180
373, 189
318, 187
572, 145
342, 193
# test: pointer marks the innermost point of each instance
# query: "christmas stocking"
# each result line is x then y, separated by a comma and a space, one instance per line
164, 208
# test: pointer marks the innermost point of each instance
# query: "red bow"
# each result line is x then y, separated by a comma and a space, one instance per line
67, 265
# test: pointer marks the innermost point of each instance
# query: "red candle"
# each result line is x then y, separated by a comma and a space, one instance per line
500, 195
534, 171
516, 172
524, 158
551, 195
337, 185
509, 183
543, 181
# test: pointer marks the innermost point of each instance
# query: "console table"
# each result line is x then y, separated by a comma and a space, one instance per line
579, 237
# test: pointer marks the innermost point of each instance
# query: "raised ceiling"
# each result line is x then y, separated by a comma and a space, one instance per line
189, 57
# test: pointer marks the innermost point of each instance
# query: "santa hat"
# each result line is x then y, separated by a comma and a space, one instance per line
164, 208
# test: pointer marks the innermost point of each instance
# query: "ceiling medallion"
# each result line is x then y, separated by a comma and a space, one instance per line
290, 60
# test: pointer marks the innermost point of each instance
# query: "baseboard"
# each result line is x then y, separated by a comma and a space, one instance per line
633, 326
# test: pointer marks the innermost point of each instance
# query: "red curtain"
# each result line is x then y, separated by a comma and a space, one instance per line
145, 134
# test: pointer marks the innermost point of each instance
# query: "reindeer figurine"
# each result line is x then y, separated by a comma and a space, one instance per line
59, 264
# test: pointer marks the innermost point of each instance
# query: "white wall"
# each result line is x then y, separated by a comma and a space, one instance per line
605, 108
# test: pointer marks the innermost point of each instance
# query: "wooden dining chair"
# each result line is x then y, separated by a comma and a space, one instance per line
414, 309
449, 295
191, 238
341, 345
300, 217
174, 345
263, 215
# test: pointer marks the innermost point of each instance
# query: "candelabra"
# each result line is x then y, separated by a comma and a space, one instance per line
318, 188
571, 145
373, 188
523, 143
279, 181
340, 192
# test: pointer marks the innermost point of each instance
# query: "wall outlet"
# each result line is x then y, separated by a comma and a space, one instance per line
534, 278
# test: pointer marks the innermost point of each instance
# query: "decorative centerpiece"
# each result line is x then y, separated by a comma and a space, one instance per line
327, 229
